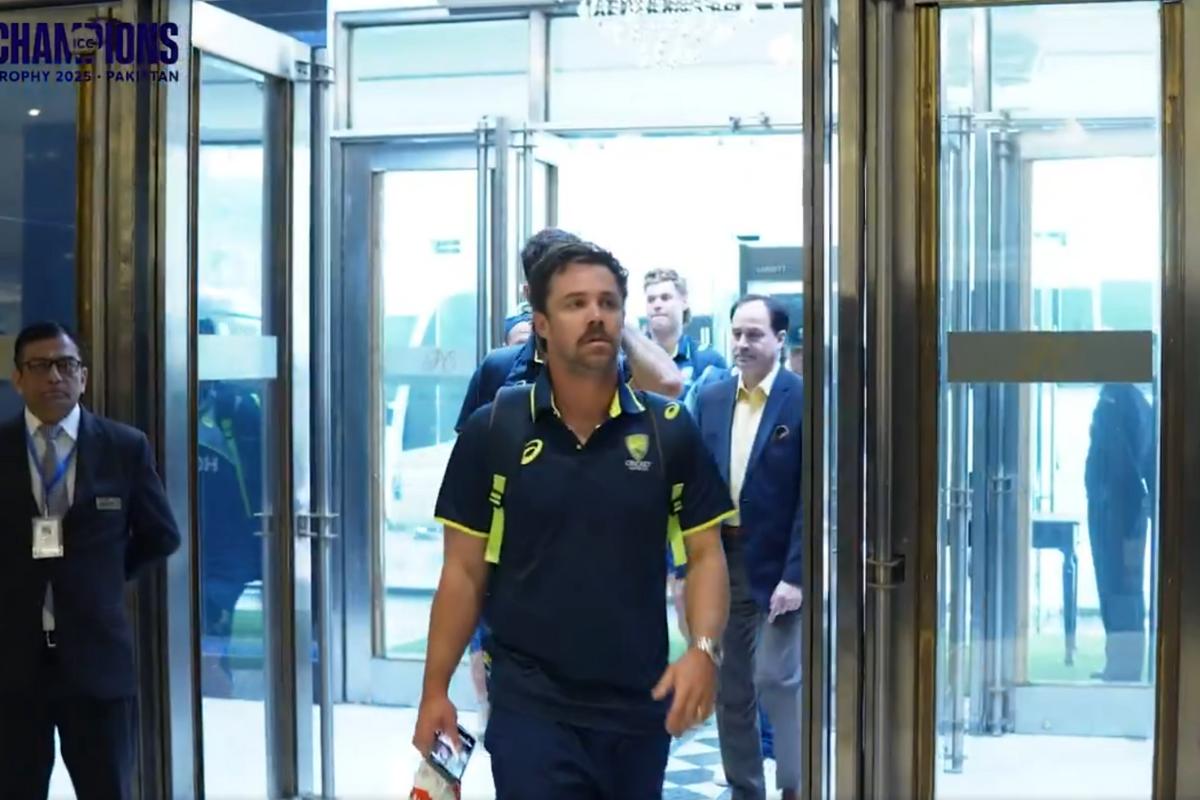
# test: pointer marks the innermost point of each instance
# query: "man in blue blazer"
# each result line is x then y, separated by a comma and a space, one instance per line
82, 511
751, 422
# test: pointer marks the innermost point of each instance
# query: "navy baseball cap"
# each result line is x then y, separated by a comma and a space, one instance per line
516, 319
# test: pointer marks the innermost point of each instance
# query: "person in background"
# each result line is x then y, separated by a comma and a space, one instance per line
669, 313
795, 358
518, 328
83, 511
1119, 478
752, 424
584, 701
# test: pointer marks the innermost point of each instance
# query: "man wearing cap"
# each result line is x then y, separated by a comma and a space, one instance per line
518, 328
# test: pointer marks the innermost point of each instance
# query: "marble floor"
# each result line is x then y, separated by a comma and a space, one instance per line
375, 760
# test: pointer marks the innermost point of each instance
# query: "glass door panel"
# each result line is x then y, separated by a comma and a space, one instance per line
237, 369
428, 255
1050, 274
252, 414
416, 236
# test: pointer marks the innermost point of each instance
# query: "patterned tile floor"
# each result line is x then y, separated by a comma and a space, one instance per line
695, 760
690, 770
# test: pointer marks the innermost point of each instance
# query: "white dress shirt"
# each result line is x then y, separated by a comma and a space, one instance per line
68, 435
747, 416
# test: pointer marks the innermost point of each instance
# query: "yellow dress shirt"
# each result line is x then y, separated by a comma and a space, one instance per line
747, 415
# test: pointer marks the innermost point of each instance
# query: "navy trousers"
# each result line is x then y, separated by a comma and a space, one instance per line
537, 759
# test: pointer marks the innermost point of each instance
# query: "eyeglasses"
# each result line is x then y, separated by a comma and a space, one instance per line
68, 366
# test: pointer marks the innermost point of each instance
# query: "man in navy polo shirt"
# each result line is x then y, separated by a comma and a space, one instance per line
583, 700
647, 366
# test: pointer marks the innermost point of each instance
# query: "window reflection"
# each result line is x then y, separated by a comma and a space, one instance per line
752, 73
427, 271
37, 210
1051, 222
482, 68
236, 365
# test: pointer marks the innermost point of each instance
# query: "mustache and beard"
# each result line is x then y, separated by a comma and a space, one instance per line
595, 333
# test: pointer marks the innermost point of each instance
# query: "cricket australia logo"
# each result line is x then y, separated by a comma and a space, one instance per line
638, 444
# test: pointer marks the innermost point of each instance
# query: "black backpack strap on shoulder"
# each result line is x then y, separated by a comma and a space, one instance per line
668, 438
510, 420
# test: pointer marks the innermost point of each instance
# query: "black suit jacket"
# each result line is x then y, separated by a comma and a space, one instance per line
118, 522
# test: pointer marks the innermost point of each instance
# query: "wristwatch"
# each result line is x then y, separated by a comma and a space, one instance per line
711, 648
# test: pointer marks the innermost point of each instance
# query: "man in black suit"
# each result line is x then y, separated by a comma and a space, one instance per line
81, 512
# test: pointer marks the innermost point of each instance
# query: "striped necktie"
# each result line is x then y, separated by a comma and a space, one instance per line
57, 503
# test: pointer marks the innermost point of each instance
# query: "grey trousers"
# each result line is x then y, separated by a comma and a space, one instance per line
762, 660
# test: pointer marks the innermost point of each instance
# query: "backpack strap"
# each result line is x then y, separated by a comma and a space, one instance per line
669, 439
510, 420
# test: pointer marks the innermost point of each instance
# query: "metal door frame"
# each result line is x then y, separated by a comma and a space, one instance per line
133, 245
287, 67
1178, 641
363, 673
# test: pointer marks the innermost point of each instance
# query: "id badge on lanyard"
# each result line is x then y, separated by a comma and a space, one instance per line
48, 530
47, 537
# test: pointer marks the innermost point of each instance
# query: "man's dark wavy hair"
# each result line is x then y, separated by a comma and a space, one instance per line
562, 255
539, 243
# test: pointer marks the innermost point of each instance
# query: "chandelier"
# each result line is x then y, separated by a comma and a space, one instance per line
668, 32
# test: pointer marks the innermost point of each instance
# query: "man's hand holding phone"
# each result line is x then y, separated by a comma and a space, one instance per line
436, 714
442, 742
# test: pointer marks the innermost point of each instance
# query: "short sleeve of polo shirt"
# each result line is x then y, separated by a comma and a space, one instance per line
706, 499
463, 502
470, 401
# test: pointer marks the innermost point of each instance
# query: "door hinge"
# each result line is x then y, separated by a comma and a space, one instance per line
315, 525
885, 573
314, 73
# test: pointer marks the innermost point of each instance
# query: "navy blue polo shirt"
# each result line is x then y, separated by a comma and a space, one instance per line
575, 602
694, 364
693, 361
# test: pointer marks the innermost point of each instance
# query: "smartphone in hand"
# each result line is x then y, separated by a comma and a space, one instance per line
449, 763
